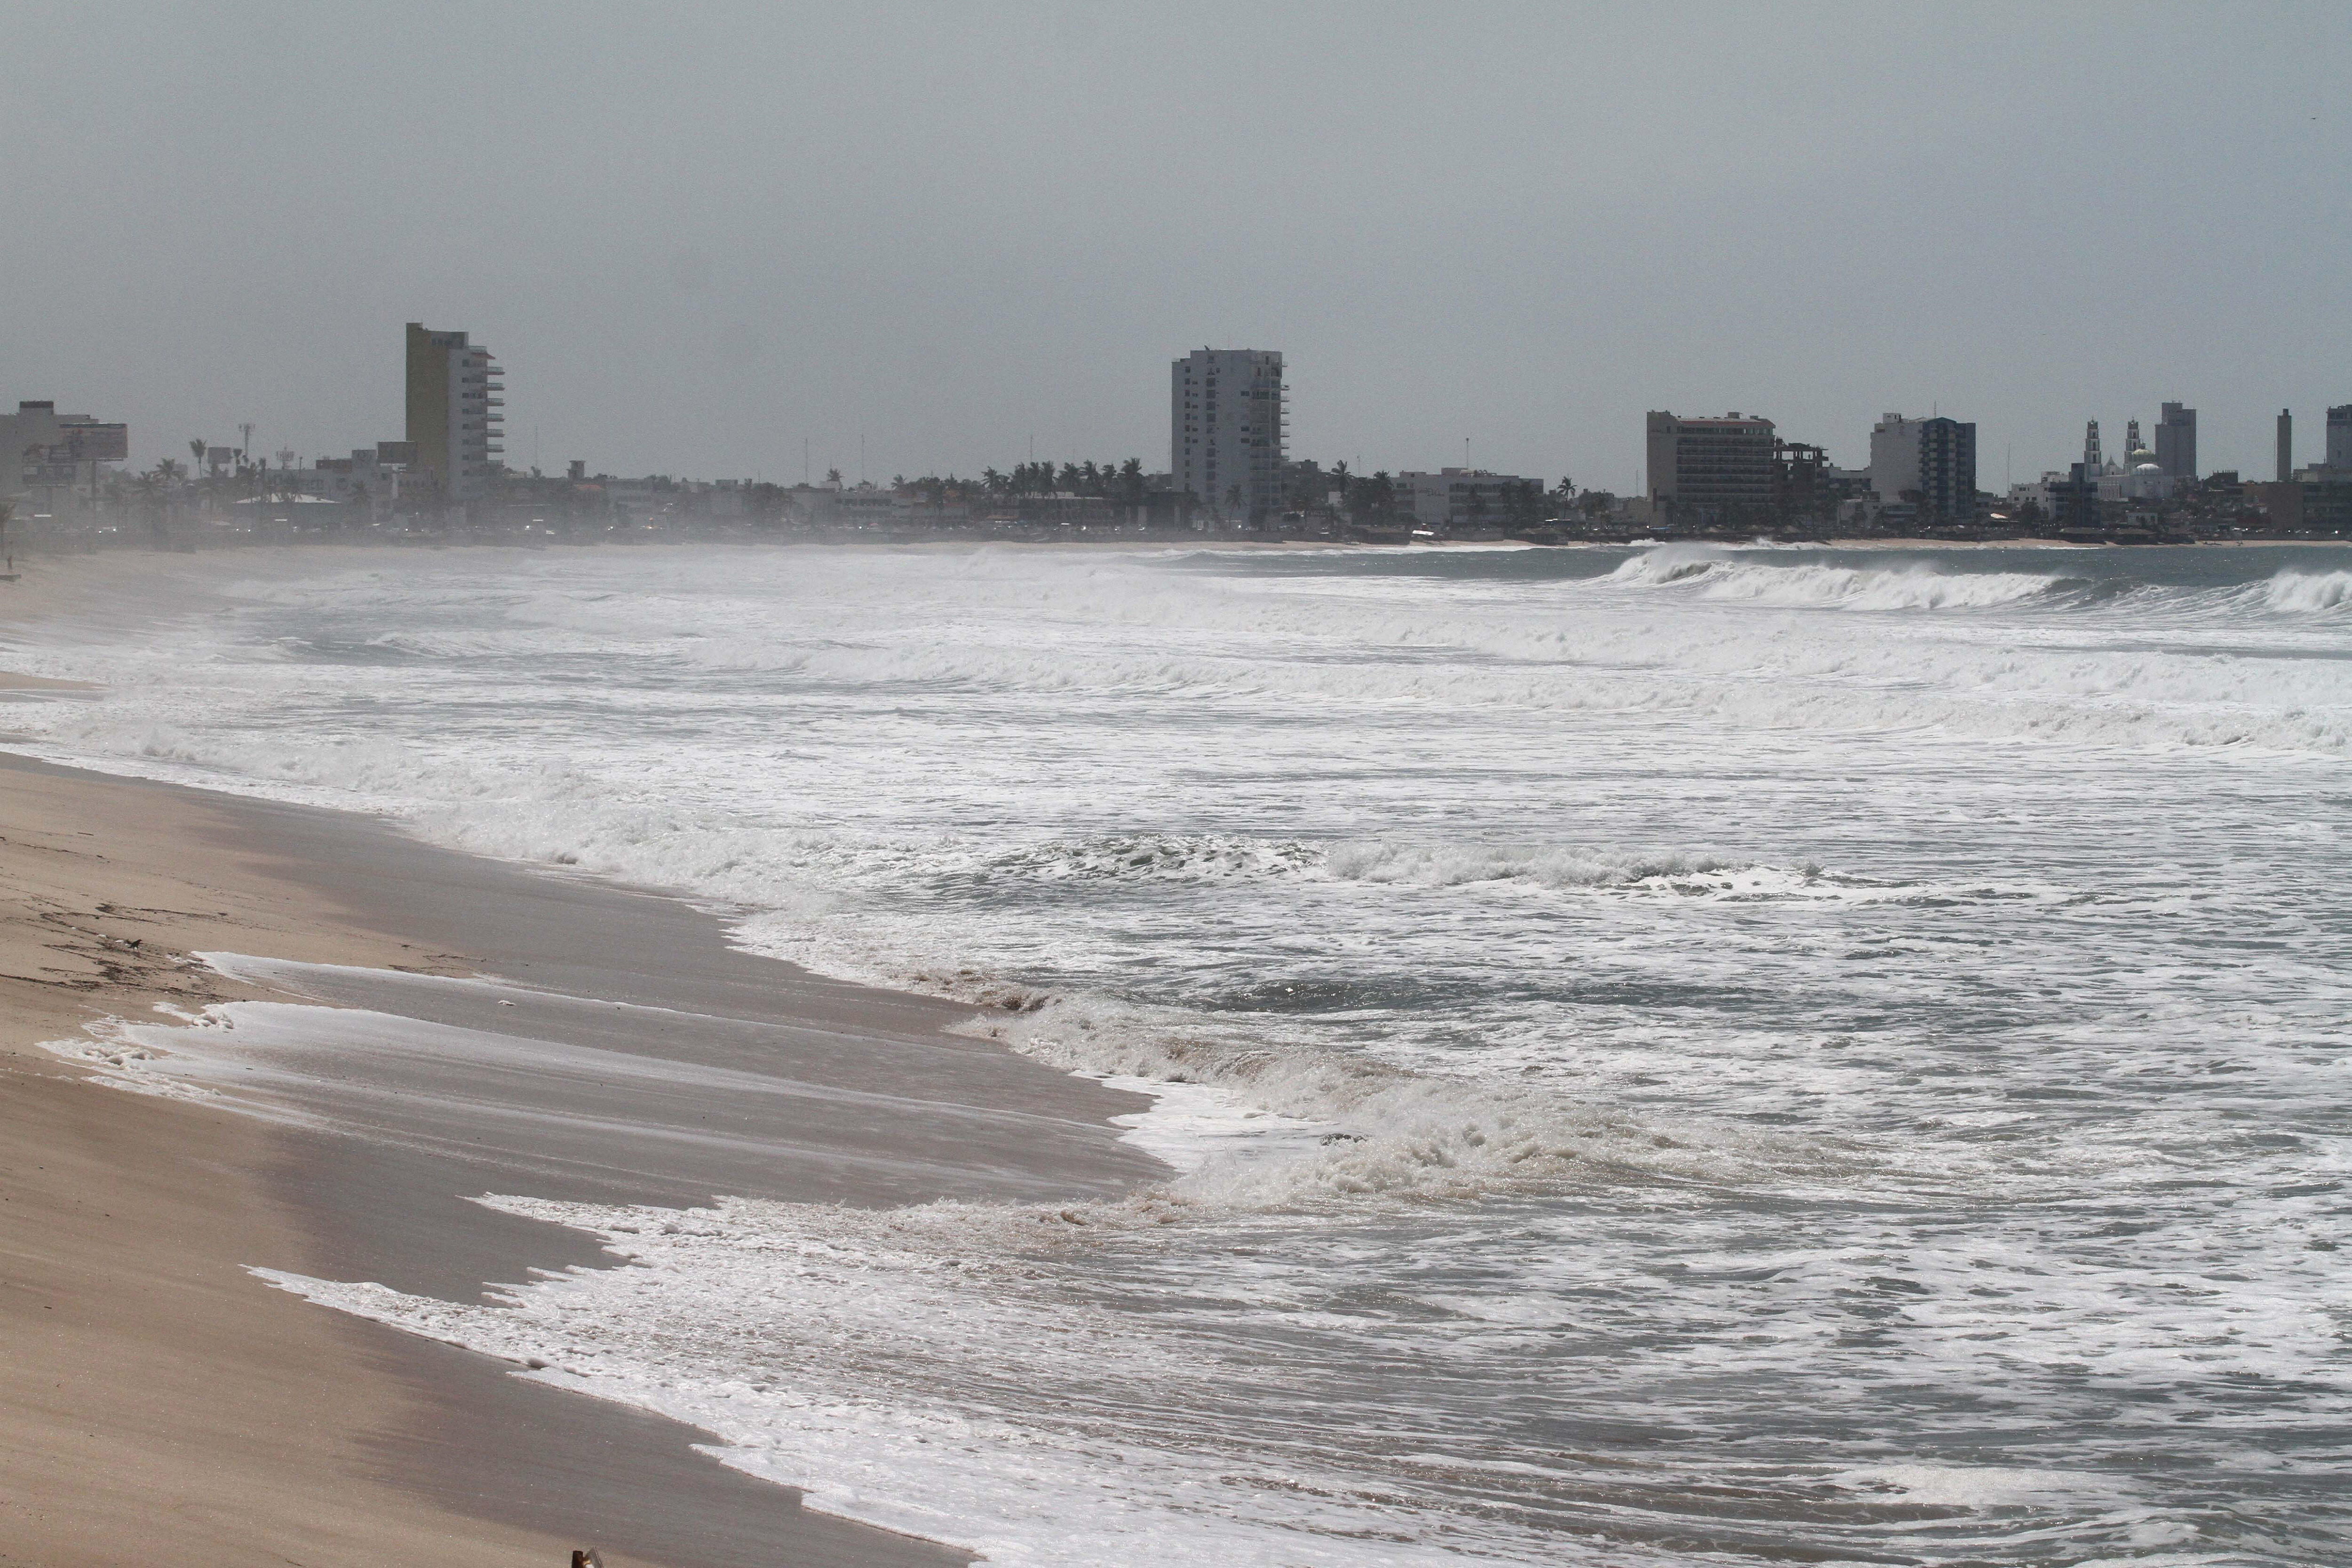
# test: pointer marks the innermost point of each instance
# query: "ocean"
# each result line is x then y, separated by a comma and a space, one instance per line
1668, 1054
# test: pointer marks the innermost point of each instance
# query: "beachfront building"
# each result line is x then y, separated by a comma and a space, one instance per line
1710, 471
454, 423
2176, 442
1227, 422
2339, 451
1461, 499
369, 481
1929, 462
43, 454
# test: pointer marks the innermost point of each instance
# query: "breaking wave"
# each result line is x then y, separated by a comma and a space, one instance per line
1379, 1131
1822, 583
1152, 857
2307, 592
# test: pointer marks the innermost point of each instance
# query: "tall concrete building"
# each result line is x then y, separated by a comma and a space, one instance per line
2285, 446
1713, 468
1895, 456
453, 414
2176, 442
1227, 426
1931, 461
1947, 467
2339, 436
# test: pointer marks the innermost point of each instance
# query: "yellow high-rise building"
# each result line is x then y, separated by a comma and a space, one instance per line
453, 413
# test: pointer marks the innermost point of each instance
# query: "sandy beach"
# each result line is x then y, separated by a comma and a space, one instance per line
164, 1403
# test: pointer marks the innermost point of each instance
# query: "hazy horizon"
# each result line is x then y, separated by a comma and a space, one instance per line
697, 240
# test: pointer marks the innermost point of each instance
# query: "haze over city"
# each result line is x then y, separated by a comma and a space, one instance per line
701, 239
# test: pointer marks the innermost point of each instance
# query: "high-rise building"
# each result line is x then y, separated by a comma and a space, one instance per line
2339, 438
1947, 467
453, 414
1894, 456
1714, 468
1931, 461
2176, 442
1227, 422
2285, 446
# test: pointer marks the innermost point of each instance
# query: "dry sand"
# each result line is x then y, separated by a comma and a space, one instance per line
160, 1403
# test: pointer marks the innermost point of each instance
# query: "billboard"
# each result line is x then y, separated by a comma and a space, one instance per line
91, 443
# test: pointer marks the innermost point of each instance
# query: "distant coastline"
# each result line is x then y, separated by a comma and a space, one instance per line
71, 547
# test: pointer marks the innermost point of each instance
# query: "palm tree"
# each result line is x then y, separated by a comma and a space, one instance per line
197, 451
150, 487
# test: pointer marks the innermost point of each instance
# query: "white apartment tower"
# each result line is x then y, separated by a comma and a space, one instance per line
1227, 426
453, 413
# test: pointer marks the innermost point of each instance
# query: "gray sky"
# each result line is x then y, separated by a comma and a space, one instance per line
697, 236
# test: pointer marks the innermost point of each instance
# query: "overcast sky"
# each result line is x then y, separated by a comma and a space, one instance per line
699, 236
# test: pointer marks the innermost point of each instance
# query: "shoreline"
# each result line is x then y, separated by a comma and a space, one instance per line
426, 1449
378, 550
198, 1400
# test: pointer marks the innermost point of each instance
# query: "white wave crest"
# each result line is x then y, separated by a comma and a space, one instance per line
1215, 858
1825, 584
1138, 856
2307, 592
868, 1359
1458, 865
1386, 1133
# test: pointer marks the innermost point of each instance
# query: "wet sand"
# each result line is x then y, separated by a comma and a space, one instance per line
175, 1407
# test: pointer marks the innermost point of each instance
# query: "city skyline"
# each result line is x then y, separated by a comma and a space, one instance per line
700, 252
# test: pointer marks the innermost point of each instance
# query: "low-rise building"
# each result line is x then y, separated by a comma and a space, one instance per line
1458, 498
43, 451
369, 481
